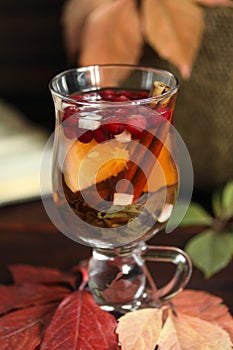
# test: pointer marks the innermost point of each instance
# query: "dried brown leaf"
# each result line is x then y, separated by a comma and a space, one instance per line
112, 34
205, 306
140, 330
75, 13
187, 332
200, 319
174, 30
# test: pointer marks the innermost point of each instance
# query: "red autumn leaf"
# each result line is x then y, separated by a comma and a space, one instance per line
23, 329
112, 34
28, 294
44, 275
79, 323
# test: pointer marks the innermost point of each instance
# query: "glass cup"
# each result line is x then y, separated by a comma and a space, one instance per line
115, 176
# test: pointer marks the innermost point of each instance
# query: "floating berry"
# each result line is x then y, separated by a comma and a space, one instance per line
88, 96
86, 136
69, 133
136, 123
68, 111
121, 98
114, 126
70, 122
99, 135
126, 93
165, 112
107, 94
70, 126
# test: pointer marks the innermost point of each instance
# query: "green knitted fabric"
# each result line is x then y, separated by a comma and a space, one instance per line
204, 110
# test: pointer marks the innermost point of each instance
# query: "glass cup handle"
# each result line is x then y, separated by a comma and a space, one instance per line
181, 276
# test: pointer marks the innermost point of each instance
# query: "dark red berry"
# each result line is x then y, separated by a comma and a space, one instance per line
113, 125
121, 98
69, 133
88, 96
70, 126
107, 94
136, 123
86, 136
99, 135
68, 111
165, 112
142, 94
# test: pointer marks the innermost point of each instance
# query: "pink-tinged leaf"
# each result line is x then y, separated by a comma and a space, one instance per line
75, 13
205, 306
79, 323
140, 330
214, 3
26, 273
187, 332
28, 294
23, 329
174, 30
112, 34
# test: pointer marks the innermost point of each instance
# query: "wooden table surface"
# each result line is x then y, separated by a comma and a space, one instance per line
28, 237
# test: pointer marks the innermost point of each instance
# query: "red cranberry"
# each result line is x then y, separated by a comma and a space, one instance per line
70, 127
107, 94
69, 133
86, 136
88, 96
99, 135
70, 122
126, 93
121, 98
68, 111
165, 112
142, 94
136, 123
114, 126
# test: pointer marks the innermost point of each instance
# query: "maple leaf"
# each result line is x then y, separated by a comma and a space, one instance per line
202, 319
26, 273
140, 329
23, 329
174, 29
113, 31
28, 294
79, 323
75, 13
205, 306
187, 332
110, 35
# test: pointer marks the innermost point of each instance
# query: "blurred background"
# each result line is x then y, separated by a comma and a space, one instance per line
32, 52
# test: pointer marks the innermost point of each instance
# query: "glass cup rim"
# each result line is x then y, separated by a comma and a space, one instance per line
151, 99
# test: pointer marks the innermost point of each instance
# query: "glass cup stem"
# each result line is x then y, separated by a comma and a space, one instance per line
118, 278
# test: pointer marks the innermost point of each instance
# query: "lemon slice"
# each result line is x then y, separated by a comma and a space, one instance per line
88, 164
